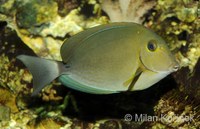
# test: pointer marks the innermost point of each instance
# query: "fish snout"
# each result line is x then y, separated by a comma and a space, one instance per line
174, 66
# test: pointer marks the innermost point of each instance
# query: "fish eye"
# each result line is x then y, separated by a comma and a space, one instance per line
152, 45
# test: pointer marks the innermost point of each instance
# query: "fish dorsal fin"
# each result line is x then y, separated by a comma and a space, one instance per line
72, 43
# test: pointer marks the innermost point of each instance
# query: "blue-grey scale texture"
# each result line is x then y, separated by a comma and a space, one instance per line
106, 59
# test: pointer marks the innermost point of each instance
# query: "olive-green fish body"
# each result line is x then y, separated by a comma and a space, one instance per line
106, 59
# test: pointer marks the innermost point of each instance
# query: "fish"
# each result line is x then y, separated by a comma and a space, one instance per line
106, 59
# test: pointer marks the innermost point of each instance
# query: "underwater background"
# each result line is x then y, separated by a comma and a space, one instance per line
39, 27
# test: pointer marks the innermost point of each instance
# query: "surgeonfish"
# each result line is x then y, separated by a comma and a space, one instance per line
106, 59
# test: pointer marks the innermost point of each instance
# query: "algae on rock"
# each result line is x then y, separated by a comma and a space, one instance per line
178, 22
40, 25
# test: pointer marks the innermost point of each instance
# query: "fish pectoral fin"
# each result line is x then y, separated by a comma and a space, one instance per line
132, 80
128, 82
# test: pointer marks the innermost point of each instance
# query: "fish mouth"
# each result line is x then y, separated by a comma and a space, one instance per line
174, 66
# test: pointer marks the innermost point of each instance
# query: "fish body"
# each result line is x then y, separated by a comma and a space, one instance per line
106, 59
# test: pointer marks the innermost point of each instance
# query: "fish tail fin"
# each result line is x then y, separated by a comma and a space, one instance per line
43, 71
